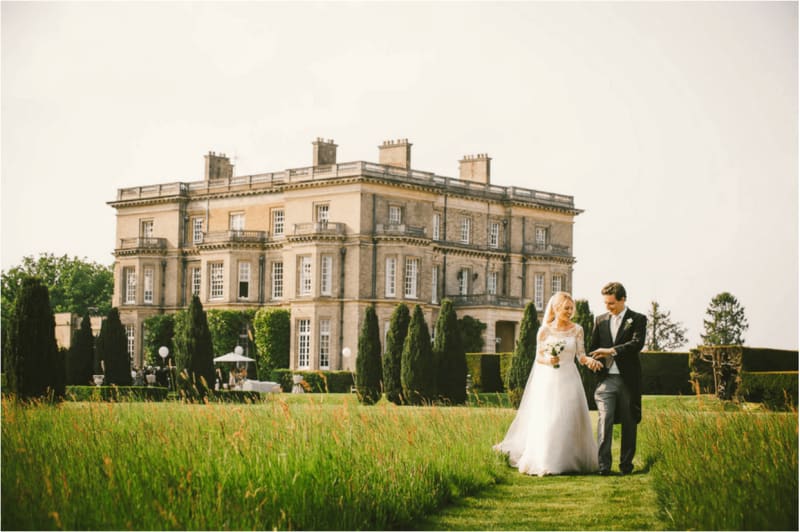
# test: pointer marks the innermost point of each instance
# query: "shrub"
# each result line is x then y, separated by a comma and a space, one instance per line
777, 390
112, 349
368, 360
198, 375
80, 361
524, 354
116, 393
272, 337
486, 370
393, 353
33, 358
416, 367
317, 381
449, 356
159, 331
226, 328
471, 331
665, 373
235, 396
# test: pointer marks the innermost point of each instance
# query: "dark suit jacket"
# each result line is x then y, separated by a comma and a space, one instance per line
628, 344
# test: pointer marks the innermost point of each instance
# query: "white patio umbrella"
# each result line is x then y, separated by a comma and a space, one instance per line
233, 357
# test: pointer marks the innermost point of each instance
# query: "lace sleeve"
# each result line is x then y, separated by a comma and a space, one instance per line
541, 358
580, 344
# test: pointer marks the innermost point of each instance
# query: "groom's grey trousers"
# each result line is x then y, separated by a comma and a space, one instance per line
613, 399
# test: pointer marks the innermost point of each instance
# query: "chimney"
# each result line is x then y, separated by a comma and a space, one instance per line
324, 152
218, 166
475, 168
395, 153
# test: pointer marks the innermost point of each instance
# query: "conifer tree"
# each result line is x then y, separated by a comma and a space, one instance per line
726, 323
198, 375
368, 360
32, 342
417, 375
112, 348
449, 356
524, 354
393, 353
81, 354
584, 317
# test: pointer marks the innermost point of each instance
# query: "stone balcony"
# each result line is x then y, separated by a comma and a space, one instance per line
319, 229
234, 235
547, 249
399, 230
480, 300
141, 244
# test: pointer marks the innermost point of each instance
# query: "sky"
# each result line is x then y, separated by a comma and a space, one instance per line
673, 125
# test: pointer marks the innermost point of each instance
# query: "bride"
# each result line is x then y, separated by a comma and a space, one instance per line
552, 432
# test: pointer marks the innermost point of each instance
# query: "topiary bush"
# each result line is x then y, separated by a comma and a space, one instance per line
416, 369
368, 360
524, 354
393, 353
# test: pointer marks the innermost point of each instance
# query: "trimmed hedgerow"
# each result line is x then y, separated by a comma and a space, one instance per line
316, 381
777, 390
116, 393
665, 373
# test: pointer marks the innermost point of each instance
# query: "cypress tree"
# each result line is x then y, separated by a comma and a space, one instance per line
81, 354
32, 342
199, 373
584, 317
524, 354
416, 367
112, 349
393, 354
450, 357
368, 361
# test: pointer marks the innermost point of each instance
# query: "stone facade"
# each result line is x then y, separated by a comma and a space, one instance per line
327, 240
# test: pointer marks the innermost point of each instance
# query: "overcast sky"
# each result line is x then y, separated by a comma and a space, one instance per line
674, 125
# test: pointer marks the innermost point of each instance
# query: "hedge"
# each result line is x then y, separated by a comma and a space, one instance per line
762, 359
777, 390
316, 381
235, 396
488, 371
116, 393
665, 373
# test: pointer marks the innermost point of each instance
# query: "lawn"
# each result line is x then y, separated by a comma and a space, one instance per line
325, 462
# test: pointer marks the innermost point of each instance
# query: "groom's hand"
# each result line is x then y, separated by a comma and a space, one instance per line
601, 353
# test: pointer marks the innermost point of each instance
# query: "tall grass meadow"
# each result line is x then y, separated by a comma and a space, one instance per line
723, 470
280, 464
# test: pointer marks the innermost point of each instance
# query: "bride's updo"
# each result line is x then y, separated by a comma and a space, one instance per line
555, 303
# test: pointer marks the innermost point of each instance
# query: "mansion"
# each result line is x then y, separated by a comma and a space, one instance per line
327, 240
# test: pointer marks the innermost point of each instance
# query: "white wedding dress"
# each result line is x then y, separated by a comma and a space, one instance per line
552, 432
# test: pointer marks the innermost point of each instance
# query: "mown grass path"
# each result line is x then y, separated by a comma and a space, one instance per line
565, 502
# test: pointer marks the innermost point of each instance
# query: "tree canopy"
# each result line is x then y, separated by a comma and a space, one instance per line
726, 323
663, 334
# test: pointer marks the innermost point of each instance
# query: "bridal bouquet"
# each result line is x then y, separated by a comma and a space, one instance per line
555, 348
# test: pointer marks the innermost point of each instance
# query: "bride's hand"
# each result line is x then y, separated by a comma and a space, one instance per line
554, 361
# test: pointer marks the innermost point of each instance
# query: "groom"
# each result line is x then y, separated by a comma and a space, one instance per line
617, 339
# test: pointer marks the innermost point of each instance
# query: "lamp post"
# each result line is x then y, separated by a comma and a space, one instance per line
163, 352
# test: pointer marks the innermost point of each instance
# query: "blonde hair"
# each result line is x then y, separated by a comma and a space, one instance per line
556, 300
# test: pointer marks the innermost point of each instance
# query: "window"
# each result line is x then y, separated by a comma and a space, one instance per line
217, 280
466, 227
541, 236
130, 335
197, 230
303, 343
129, 274
437, 221
277, 222
491, 283
277, 280
557, 283
305, 276
196, 279
494, 235
322, 212
463, 281
324, 344
412, 270
244, 280
391, 276
147, 228
395, 215
326, 275
435, 284
236, 222
148, 284
538, 290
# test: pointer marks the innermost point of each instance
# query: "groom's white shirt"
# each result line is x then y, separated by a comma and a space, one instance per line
615, 323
